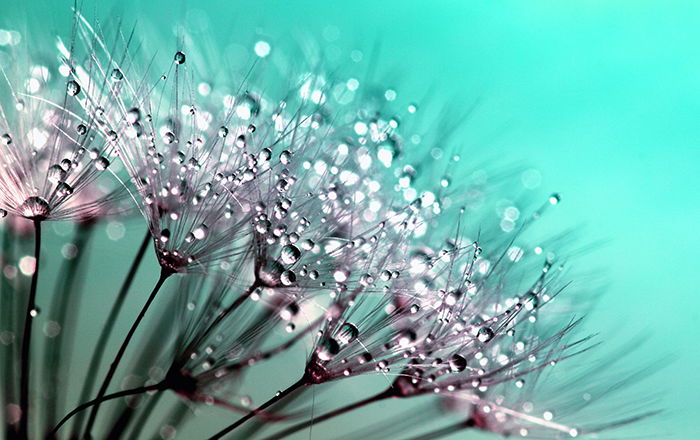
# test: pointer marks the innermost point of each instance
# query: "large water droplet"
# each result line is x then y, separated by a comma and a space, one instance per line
290, 254
288, 278
328, 349
347, 333
458, 363
485, 334
34, 208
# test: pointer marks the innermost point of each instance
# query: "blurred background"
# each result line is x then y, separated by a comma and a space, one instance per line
602, 98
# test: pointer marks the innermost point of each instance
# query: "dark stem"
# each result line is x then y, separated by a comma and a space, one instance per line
386, 394
279, 396
81, 407
106, 332
164, 275
25, 372
447, 430
65, 303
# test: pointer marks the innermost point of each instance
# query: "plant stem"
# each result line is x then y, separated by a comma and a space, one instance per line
164, 275
25, 371
81, 407
279, 396
106, 332
386, 394
64, 306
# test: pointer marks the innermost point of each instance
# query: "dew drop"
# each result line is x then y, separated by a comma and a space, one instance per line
34, 208
485, 334
285, 157
458, 363
168, 138
56, 174
531, 301
405, 338
117, 75
81, 129
288, 278
165, 235
133, 116
290, 254
328, 349
554, 198
347, 333
200, 232
367, 280
6, 139
289, 312
73, 88
179, 58
223, 132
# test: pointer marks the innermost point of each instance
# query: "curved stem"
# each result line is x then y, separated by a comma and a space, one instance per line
106, 332
164, 275
25, 371
81, 407
279, 396
386, 394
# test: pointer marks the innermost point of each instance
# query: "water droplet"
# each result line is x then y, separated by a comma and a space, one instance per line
63, 189
6, 139
223, 132
289, 312
179, 58
117, 75
200, 233
285, 157
485, 334
34, 208
101, 163
168, 138
328, 349
367, 280
458, 363
554, 198
56, 174
73, 88
3, 213
531, 301
288, 278
133, 116
347, 333
165, 235
81, 129
290, 254
405, 338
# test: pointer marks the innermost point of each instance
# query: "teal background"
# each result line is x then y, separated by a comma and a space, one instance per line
602, 97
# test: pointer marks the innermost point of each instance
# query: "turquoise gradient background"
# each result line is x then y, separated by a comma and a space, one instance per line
603, 97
